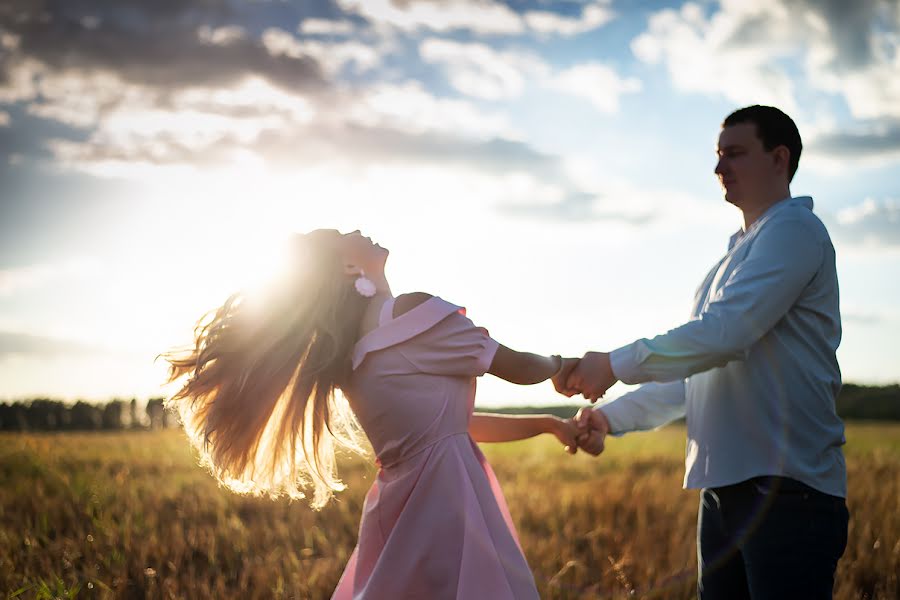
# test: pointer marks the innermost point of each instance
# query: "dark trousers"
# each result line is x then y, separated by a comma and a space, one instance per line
768, 538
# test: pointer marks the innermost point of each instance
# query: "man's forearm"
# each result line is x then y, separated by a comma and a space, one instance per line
753, 298
678, 354
648, 407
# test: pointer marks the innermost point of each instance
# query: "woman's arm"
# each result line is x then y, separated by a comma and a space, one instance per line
489, 427
525, 368
522, 368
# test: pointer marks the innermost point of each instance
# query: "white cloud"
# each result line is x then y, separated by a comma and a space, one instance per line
19, 279
78, 99
409, 107
833, 149
282, 43
478, 70
332, 56
482, 16
855, 52
870, 209
251, 96
194, 129
872, 91
131, 118
740, 51
135, 128
9, 41
325, 27
866, 316
254, 127
103, 98
220, 36
871, 223
668, 209
486, 17
592, 16
597, 83
700, 57
21, 81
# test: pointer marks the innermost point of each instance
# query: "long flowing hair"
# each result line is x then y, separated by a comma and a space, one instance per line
259, 402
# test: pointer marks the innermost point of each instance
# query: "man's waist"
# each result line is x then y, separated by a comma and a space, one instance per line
771, 485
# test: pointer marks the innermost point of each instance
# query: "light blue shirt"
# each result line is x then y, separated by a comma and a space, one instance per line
754, 371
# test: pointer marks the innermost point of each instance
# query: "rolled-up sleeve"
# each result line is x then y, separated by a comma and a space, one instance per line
783, 260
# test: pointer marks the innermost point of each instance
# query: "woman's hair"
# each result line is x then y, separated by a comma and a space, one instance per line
259, 402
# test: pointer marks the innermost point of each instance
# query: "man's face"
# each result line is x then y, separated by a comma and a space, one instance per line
745, 170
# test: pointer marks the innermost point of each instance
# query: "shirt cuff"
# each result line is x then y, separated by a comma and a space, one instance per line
616, 416
625, 365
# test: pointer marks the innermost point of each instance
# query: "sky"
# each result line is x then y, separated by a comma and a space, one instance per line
548, 165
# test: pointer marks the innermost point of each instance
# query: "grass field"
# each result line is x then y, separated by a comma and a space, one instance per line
129, 515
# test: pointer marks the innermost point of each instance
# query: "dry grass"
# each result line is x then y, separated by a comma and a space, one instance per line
129, 515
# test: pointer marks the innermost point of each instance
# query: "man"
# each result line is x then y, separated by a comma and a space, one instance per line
755, 374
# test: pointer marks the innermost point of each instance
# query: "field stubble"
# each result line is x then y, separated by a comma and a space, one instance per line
130, 515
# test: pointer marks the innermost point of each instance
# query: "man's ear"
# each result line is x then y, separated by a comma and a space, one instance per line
782, 157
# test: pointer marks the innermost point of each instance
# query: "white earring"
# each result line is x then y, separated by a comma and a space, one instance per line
364, 286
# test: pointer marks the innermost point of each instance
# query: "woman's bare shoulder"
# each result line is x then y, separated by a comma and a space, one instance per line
406, 302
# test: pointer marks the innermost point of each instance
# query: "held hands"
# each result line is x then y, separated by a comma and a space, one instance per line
587, 430
591, 377
561, 378
593, 427
566, 431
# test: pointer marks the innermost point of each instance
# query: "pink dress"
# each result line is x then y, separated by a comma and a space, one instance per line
434, 524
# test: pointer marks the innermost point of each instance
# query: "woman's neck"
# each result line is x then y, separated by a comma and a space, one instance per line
382, 287
370, 318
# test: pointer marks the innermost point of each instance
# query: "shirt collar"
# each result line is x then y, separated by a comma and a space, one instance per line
804, 201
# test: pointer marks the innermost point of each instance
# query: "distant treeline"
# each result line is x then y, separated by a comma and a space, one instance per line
856, 402
44, 414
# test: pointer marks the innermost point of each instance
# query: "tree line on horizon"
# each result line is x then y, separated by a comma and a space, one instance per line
45, 414
855, 402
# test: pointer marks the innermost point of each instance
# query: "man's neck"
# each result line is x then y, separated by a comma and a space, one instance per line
753, 213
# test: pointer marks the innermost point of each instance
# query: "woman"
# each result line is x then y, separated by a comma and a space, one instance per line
260, 405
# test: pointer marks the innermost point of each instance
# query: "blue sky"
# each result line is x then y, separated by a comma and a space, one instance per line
546, 164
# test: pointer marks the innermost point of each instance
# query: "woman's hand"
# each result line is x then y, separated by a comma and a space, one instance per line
561, 377
566, 431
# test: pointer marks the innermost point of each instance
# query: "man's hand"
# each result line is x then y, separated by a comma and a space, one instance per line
562, 376
593, 427
592, 376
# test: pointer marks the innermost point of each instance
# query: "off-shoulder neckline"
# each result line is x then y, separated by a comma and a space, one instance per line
402, 327
387, 318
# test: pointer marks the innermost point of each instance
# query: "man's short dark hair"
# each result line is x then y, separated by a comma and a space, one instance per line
774, 128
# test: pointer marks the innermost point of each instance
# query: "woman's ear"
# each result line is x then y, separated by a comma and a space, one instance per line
352, 270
